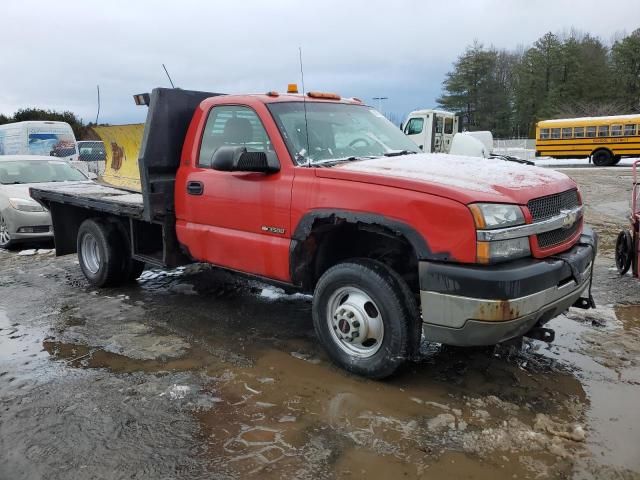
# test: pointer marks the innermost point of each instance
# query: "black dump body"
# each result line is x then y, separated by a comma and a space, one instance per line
149, 216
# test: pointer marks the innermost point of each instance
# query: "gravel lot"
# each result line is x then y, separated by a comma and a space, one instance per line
195, 373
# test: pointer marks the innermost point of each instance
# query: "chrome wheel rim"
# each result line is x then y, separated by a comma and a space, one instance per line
355, 322
5, 238
90, 253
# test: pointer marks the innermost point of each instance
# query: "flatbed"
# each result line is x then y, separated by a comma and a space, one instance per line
97, 197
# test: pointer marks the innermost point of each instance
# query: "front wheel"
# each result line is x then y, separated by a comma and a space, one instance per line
364, 317
5, 236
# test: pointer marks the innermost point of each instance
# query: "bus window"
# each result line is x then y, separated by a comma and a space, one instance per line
591, 132
578, 132
544, 134
629, 130
448, 125
567, 132
555, 133
603, 131
616, 130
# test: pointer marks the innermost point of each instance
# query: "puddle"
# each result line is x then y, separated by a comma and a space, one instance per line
189, 373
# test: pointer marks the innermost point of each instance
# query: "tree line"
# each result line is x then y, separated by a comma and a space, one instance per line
560, 76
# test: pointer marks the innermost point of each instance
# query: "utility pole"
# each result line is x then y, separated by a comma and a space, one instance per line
380, 99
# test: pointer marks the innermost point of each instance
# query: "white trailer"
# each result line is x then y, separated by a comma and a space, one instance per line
39, 138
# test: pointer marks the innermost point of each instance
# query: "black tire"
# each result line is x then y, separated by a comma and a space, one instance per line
393, 302
133, 269
602, 158
106, 266
624, 252
616, 159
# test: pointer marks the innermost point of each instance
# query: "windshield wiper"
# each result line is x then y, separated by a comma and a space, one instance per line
332, 161
398, 153
509, 158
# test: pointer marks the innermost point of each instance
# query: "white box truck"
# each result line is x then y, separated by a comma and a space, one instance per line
39, 138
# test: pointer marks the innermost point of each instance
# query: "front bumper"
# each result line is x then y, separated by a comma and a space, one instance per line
483, 305
28, 225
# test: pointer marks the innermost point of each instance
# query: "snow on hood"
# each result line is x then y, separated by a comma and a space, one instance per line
462, 178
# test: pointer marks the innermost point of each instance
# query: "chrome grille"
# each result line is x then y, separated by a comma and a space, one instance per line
546, 207
558, 236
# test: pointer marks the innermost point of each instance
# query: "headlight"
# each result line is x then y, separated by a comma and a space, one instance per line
25, 205
496, 215
502, 250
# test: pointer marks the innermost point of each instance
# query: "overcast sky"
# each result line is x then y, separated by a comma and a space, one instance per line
54, 53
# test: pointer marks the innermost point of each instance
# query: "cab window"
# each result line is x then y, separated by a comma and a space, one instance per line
603, 131
567, 132
414, 126
234, 126
439, 124
448, 125
578, 132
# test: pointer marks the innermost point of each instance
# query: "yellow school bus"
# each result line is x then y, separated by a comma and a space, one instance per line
605, 139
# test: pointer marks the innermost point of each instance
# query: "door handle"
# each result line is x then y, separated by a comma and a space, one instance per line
195, 188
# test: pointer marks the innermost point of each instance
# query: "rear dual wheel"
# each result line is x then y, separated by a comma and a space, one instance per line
104, 254
603, 158
366, 317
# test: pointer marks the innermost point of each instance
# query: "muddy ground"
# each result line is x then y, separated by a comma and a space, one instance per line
195, 373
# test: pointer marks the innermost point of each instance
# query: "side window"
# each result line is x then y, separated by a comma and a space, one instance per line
544, 134
616, 130
629, 130
578, 132
567, 132
603, 131
232, 125
448, 126
591, 132
555, 133
439, 124
414, 126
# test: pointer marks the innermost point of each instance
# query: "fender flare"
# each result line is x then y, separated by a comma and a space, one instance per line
332, 216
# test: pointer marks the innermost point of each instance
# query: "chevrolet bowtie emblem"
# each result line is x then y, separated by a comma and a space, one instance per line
570, 218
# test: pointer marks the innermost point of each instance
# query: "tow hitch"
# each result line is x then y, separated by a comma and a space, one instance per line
542, 334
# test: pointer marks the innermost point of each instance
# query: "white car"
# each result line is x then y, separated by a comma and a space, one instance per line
21, 217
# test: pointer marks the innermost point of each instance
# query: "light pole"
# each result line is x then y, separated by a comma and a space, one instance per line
380, 99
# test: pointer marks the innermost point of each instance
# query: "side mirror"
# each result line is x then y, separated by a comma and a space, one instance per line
237, 159
401, 126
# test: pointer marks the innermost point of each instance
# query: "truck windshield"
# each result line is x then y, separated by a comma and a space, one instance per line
38, 171
336, 131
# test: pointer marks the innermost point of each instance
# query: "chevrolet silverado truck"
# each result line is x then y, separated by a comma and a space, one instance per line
322, 194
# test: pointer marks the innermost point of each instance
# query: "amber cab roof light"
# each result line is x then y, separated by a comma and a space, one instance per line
325, 95
292, 88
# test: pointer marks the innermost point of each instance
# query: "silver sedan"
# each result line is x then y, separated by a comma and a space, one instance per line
21, 217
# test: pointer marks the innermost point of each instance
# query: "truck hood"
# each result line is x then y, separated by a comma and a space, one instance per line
464, 179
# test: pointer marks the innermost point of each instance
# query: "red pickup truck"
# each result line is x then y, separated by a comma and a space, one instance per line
324, 195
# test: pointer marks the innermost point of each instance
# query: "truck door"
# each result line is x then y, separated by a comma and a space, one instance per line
448, 132
417, 130
238, 220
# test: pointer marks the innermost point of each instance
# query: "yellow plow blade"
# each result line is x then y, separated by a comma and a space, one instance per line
122, 145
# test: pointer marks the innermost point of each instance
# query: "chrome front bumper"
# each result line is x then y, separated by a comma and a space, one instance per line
472, 309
